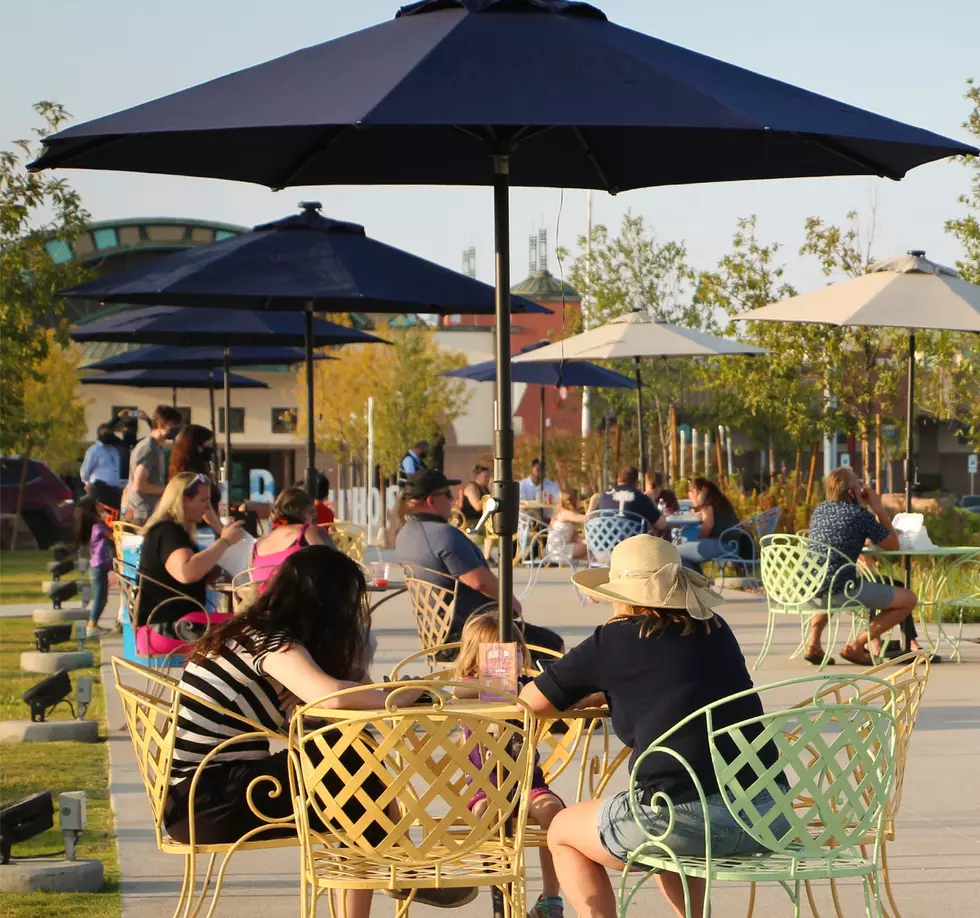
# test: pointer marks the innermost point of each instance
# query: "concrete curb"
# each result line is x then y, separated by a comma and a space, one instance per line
51, 875
49, 731
33, 661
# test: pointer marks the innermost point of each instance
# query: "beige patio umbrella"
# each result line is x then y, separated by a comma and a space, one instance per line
905, 292
638, 335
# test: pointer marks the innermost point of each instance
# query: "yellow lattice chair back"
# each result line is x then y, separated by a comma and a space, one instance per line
151, 719
400, 818
244, 590
433, 597
349, 539
121, 528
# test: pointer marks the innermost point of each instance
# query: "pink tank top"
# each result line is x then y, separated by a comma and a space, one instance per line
264, 566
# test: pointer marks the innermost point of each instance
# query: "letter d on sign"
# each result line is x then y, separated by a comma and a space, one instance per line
261, 486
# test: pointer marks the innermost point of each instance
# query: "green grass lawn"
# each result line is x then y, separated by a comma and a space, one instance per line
26, 768
21, 573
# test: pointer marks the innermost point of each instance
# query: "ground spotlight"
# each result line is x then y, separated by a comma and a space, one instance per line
23, 819
49, 635
46, 694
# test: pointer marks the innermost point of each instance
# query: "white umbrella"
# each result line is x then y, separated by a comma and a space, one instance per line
905, 292
638, 335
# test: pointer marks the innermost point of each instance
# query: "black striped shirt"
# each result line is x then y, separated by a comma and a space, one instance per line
233, 680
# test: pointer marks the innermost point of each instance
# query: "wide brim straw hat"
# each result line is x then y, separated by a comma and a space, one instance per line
646, 571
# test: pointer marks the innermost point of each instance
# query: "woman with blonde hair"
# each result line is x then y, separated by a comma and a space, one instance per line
174, 565
564, 538
663, 655
293, 528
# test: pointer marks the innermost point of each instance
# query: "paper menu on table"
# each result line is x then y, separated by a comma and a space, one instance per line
499, 667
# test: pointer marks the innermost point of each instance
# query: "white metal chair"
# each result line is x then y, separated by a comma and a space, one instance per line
740, 544
605, 529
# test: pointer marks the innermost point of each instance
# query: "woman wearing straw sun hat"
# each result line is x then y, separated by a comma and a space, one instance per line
662, 655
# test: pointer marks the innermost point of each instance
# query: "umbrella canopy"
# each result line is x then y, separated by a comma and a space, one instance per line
185, 327
546, 374
169, 379
286, 265
479, 92
201, 358
638, 335
906, 292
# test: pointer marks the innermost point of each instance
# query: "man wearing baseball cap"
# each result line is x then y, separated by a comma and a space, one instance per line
442, 554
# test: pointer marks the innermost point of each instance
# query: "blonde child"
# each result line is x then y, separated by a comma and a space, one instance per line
544, 803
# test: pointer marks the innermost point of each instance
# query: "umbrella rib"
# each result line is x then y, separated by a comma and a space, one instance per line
590, 155
301, 161
836, 147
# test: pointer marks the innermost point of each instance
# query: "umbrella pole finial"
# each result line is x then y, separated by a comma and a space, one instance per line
504, 487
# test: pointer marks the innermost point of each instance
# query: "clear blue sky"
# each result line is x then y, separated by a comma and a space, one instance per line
902, 59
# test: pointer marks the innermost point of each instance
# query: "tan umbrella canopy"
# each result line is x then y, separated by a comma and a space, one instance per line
638, 335
906, 292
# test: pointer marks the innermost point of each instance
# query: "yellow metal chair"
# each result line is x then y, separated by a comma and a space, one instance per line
349, 539
121, 528
151, 720
244, 590
433, 604
415, 760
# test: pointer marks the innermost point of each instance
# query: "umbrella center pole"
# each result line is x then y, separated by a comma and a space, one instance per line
505, 488
311, 472
642, 465
226, 484
909, 463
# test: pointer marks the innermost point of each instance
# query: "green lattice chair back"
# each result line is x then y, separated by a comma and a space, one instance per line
792, 572
839, 756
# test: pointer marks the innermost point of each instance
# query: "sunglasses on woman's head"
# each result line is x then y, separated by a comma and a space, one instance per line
198, 479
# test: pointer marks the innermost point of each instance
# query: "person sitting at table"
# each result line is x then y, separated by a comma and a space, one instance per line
656, 491
626, 497
174, 566
472, 494
664, 642
442, 554
292, 529
717, 516
841, 522
324, 509
307, 636
564, 535
538, 489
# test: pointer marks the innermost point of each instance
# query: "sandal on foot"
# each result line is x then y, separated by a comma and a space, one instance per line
857, 657
816, 658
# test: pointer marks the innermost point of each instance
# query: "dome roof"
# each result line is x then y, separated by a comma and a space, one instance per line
543, 285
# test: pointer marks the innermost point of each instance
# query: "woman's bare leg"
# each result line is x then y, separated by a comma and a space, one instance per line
543, 809
358, 903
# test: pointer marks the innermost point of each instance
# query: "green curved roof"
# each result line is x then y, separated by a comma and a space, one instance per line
543, 285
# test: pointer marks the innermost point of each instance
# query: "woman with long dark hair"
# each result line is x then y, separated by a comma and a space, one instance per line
305, 637
193, 450
717, 516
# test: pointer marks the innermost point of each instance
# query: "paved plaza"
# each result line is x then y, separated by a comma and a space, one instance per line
935, 860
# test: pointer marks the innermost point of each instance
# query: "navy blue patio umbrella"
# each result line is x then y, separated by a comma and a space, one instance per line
201, 358
302, 262
545, 374
480, 92
185, 328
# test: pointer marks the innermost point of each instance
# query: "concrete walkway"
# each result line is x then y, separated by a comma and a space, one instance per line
935, 860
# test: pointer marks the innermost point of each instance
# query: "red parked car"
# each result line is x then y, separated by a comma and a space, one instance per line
48, 505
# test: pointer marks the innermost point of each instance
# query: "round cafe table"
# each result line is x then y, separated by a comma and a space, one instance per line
945, 579
390, 589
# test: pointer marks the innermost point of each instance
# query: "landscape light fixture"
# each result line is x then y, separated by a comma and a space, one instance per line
23, 819
73, 818
46, 637
46, 694
61, 567
61, 590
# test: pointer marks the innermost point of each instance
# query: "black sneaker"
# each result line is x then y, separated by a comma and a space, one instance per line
449, 897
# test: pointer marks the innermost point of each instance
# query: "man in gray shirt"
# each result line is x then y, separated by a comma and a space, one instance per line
147, 466
442, 554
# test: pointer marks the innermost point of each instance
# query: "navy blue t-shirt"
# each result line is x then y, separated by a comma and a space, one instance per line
625, 499
653, 682
846, 527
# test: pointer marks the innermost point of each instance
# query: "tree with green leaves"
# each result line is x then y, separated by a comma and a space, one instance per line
967, 228
634, 271
776, 398
35, 210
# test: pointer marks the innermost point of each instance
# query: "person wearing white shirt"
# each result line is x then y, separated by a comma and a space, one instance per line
537, 488
102, 461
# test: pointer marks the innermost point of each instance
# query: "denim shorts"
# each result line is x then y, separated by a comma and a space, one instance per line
620, 834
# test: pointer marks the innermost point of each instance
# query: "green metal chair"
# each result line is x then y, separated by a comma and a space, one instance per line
794, 571
837, 755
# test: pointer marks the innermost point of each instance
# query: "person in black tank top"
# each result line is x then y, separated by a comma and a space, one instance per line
471, 496
717, 516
